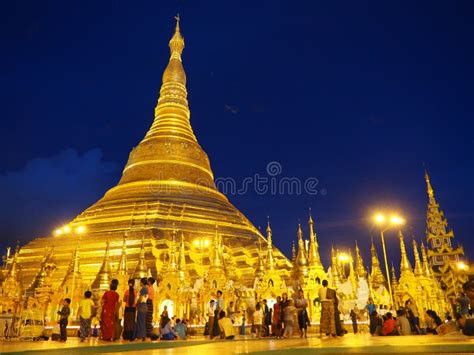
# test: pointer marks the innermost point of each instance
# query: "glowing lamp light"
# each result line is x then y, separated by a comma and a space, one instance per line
80, 229
462, 265
397, 220
66, 229
379, 218
206, 242
196, 242
58, 232
343, 257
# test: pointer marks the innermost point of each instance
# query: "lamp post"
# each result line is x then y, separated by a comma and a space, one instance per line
385, 224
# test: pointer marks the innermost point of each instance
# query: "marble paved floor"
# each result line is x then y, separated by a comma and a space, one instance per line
360, 343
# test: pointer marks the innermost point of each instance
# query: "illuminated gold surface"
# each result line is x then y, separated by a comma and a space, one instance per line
166, 188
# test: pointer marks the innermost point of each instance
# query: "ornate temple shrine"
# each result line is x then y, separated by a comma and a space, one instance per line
166, 219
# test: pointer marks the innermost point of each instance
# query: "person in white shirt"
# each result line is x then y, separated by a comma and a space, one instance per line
328, 321
210, 315
258, 320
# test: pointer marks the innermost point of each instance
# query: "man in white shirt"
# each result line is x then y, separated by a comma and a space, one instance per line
210, 315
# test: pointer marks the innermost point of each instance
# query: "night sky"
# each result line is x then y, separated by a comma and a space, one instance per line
356, 94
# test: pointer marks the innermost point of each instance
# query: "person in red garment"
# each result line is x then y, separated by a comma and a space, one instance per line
389, 325
110, 306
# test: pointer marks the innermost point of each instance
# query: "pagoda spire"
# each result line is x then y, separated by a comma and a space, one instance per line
164, 154
418, 268
359, 267
301, 257
405, 265
313, 254
293, 253
376, 274
122, 266
217, 260
182, 260
141, 270
394, 279
270, 262
260, 271
352, 273
103, 278
73, 270
173, 264
426, 264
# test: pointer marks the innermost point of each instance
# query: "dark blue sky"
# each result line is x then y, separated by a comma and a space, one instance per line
357, 94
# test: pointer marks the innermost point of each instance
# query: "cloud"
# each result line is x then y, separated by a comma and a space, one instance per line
50, 191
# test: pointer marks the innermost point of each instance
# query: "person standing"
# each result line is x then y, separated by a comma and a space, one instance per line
267, 314
130, 299
328, 316
277, 319
289, 319
370, 310
354, 317
110, 305
258, 320
142, 309
284, 303
301, 305
85, 315
63, 318
211, 318
149, 304
217, 311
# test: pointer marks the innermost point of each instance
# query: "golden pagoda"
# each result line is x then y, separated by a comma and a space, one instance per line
167, 185
441, 253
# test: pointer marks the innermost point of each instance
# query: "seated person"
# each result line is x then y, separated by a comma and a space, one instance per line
389, 325
226, 326
181, 329
377, 323
403, 324
166, 331
466, 321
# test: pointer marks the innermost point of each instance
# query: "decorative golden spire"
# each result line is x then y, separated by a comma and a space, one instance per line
314, 258
103, 278
141, 270
182, 260
270, 262
176, 42
293, 253
260, 271
301, 258
352, 273
359, 267
73, 271
394, 279
122, 266
217, 262
405, 265
426, 264
170, 153
173, 264
376, 274
418, 268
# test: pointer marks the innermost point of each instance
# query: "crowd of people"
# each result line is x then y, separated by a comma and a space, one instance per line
280, 320
406, 320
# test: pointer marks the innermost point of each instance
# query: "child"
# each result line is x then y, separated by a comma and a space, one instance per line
258, 320
85, 315
64, 315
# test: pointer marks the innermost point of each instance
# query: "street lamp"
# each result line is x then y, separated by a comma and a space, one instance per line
385, 224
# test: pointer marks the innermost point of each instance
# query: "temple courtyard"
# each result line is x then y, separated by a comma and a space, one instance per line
360, 344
